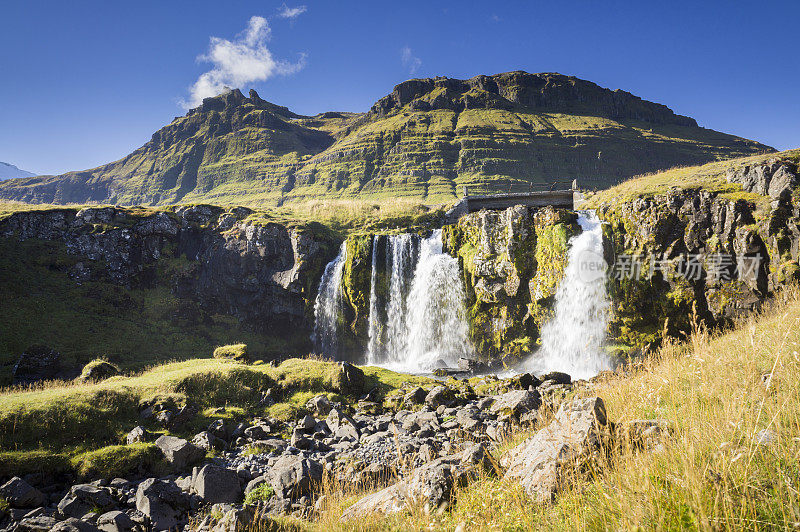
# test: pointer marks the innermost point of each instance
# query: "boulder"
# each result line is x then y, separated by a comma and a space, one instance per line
115, 521
39, 523
348, 379
319, 405
215, 484
207, 441
20, 494
138, 435
162, 502
342, 426
551, 456
557, 377
37, 363
430, 484
240, 520
84, 498
179, 452
415, 396
293, 476
516, 403
439, 395
74, 524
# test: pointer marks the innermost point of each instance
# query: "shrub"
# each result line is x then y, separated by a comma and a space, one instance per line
262, 492
236, 352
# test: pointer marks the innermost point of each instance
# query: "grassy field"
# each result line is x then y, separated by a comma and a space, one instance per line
733, 400
710, 177
80, 425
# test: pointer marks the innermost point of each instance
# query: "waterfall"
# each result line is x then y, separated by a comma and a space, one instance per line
373, 332
572, 340
401, 259
328, 305
436, 323
421, 319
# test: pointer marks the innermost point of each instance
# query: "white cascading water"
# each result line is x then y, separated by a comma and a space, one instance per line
328, 304
436, 322
374, 328
573, 339
400, 260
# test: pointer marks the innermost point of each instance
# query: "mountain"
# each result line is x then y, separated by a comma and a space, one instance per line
426, 139
9, 171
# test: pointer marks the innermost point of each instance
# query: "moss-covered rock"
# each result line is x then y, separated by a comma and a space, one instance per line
237, 352
512, 262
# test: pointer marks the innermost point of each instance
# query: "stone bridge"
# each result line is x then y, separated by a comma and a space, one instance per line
565, 196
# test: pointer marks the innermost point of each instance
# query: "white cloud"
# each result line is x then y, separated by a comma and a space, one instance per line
409, 60
495, 18
291, 12
243, 60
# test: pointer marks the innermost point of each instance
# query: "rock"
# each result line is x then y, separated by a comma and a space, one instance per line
162, 502
241, 520
37, 363
645, 434
516, 403
179, 452
39, 523
342, 426
430, 484
207, 441
20, 494
237, 352
348, 380
215, 484
415, 396
307, 423
73, 524
257, 432
524, 381
98, 370
541, 463
138, 435
84, 498
439, 395
293, 476
557, 377
320, 405
115, 521
220, 429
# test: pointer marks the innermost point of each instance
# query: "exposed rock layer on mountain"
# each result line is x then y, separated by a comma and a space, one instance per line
425, 139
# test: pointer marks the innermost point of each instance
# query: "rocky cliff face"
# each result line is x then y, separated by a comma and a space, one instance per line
425, 139
512, 262
216, 261
703, 254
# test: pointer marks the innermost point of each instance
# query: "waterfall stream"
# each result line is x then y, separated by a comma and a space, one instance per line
328, 304
572, 340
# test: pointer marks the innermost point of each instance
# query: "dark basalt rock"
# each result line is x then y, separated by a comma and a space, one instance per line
37, 363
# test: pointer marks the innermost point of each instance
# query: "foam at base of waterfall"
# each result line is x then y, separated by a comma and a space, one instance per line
573, 339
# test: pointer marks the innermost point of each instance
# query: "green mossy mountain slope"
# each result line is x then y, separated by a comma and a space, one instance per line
424, 140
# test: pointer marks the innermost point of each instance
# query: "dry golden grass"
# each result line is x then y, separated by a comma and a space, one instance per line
708, 176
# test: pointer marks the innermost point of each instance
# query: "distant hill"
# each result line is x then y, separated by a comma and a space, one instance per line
9, 171
426, 139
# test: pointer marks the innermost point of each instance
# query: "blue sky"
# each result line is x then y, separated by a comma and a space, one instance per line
84, 83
